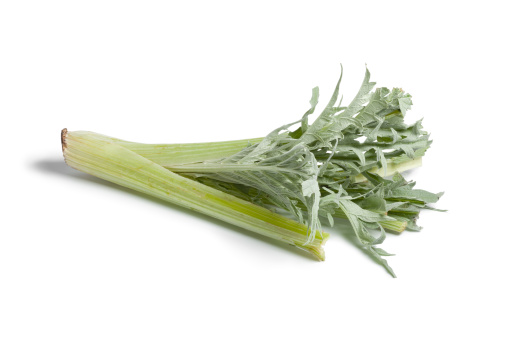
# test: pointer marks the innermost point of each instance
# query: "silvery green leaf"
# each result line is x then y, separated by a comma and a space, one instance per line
405, 104
361, 98
382, 261
382, 252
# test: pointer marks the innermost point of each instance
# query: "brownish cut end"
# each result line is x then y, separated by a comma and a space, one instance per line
63, 137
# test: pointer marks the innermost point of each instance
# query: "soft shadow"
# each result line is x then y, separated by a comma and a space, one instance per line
59, 168
54, 167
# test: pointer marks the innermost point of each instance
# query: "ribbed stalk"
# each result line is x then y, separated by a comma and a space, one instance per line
392, 168
106, 158
175, 154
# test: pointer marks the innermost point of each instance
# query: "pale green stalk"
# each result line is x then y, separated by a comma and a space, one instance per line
106, 158
392, 168
174, 154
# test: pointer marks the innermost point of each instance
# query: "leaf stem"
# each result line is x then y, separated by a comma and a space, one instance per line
183, 153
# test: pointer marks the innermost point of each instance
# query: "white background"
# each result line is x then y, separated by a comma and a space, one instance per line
80, 257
